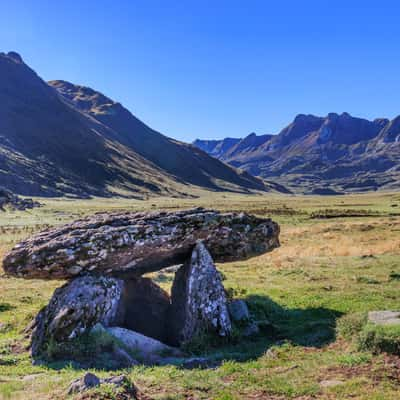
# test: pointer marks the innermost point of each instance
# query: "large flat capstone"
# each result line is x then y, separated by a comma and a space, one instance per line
130, 244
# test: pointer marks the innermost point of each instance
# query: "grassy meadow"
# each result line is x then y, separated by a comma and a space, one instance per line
339, 258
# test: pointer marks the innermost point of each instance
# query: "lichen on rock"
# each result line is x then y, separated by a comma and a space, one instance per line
75, 308
198, 299
131, 244
105, 256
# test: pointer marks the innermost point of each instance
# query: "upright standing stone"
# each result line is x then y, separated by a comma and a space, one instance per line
198, 299
75, 308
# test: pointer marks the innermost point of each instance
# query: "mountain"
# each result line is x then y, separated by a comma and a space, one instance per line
216, 148
58, 138
324, 155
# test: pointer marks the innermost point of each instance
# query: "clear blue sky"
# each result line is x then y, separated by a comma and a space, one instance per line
212, 69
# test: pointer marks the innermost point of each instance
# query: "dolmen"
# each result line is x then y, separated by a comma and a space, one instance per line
104, 257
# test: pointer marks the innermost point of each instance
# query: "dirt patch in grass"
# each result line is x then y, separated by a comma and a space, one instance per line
376, 370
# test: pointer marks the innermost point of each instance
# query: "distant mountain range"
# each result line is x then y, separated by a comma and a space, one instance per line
321, 155
58, 138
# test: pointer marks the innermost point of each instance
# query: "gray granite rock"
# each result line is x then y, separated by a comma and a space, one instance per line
139, 344
75, 308
131, 244
384, 317
88, 381
238, 310
198, 300
251, 329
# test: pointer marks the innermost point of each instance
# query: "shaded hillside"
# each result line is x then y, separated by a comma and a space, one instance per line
76, 141
324, 154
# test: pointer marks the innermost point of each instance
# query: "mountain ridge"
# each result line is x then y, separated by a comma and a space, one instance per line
337, 152
58, 138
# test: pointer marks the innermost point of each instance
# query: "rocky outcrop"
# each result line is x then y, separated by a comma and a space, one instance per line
198, 299
11, 200
75, 308
131, 244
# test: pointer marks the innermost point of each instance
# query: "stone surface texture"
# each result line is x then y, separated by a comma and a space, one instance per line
89, 381
144, 346
238, 310
131, 244
198, 299
384, 317
75, 308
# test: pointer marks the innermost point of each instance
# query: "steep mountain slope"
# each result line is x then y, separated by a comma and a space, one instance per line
216, 148
66, 139
325, 154
182, 161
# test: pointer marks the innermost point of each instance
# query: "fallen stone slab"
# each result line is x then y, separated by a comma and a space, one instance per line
384, 317
131, 244
141, 345
198, 300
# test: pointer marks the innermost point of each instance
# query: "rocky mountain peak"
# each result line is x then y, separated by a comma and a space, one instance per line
337, 149
14, 56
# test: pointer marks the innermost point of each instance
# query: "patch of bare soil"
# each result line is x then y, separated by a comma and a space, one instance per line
386, 367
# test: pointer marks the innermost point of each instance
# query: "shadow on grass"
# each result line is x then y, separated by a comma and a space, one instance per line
309, 327
6, 307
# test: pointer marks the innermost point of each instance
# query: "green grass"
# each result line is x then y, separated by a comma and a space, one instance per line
315, 291
380, 339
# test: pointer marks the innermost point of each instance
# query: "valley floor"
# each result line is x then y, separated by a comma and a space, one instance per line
339, 256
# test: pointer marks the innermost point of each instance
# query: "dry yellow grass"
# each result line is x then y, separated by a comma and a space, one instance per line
336, 239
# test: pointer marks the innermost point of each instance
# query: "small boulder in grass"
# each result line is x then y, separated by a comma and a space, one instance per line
87, 382
238, 310
384, 317
251, 329
126, 390
331, 383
